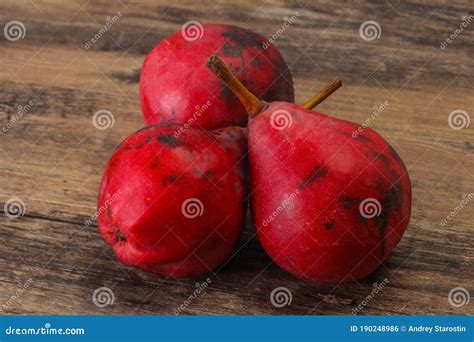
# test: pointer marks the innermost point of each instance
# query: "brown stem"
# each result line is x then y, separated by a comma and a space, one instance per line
323, 94
252, 104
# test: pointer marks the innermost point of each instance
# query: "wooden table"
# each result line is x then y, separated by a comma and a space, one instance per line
52, 157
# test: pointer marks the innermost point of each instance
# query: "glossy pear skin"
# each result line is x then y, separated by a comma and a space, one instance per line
143, 194
308, 181
177, 87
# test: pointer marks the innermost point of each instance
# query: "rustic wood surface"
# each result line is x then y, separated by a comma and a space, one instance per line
52, 157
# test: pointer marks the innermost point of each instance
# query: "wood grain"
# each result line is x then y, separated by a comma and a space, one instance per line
52, 158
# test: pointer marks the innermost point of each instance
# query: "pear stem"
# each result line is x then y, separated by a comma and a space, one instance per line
252, 104
323, 94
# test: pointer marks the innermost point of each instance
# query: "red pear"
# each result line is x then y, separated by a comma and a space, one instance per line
328, 205
174, 205
177, 87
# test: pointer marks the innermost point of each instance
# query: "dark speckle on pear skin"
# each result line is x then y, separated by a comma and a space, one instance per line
348, 202
328, 226
169, 140
119, 235
317, 173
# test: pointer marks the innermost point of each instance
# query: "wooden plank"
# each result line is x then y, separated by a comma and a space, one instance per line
67, 262
52, 141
